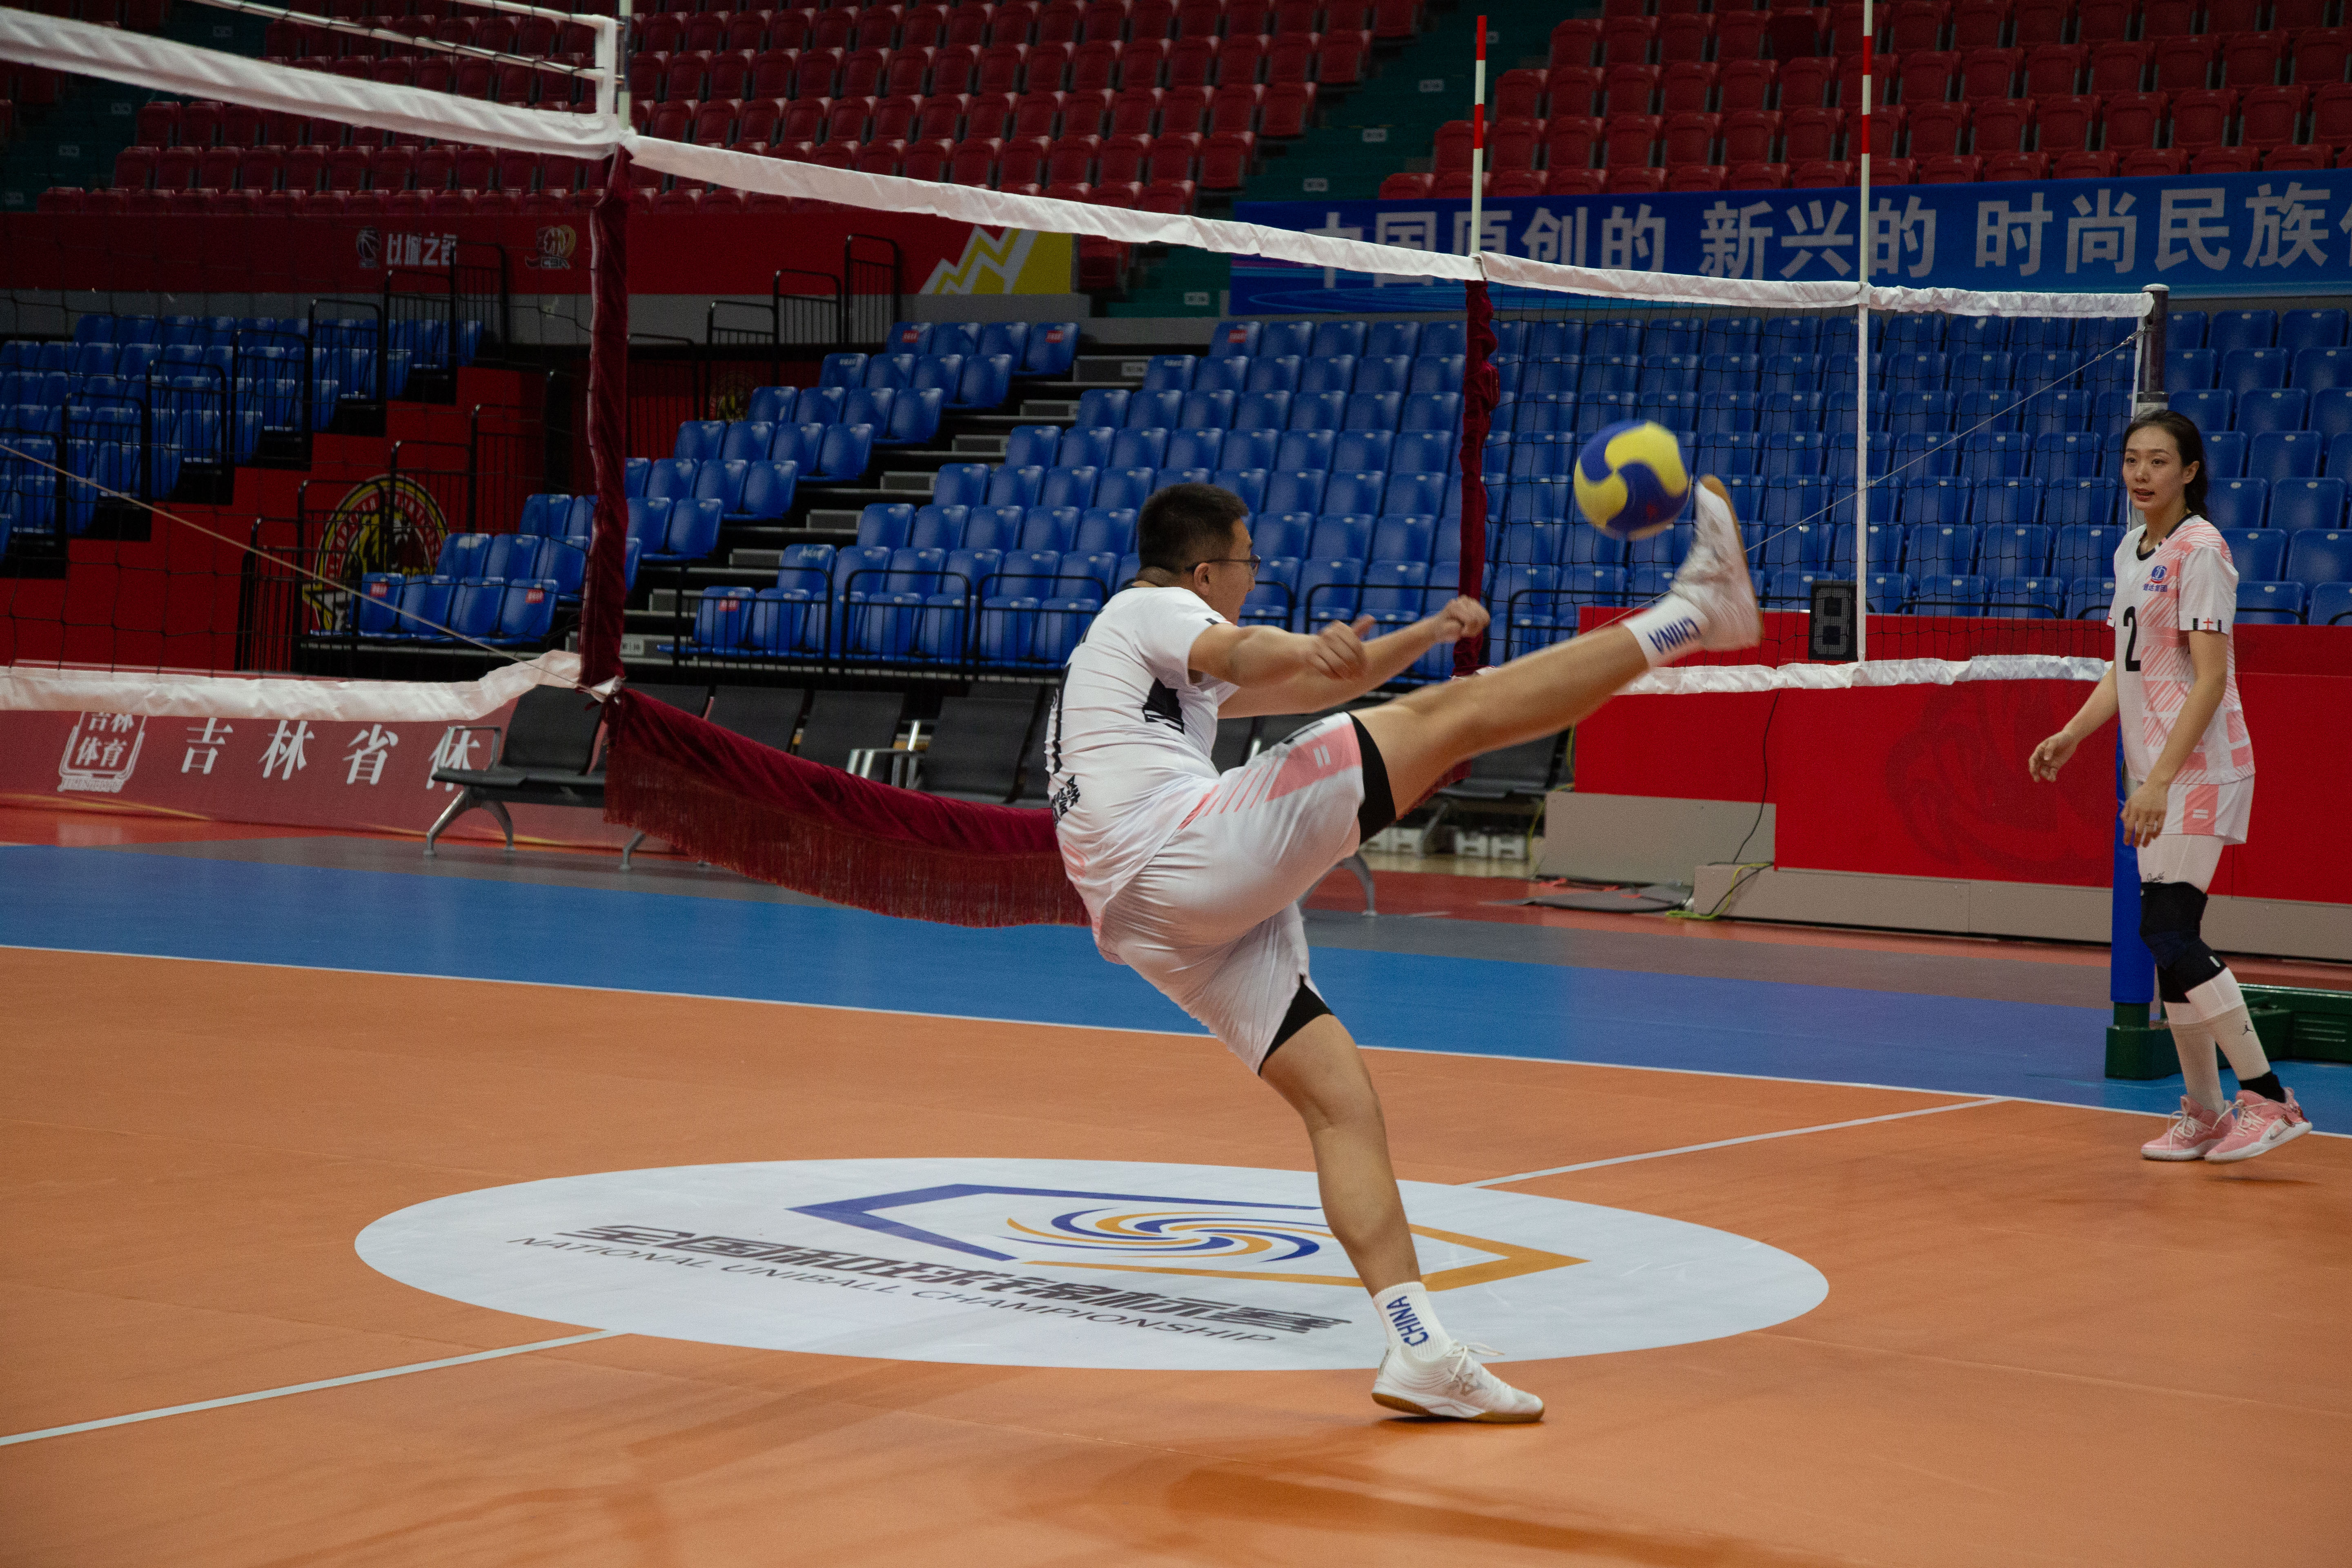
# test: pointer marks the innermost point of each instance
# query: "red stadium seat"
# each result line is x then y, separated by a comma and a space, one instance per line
1242, 61
1820, 173
1926, 77
1573, 183
157, 123
1199, 18
2054, 70
1513, 144
1105, 21
1061, 22
1950, 171
1757, 177
1634, 182
1340, 61
2331, 115
973, 160
134, 168
1515, 183
1139, 63
1687, 88
1037, 114
927, 160
1015, 22
1072, 159
967, 25
1173, 157
1150, 19
1576, 42
1918, 26
1022, 162
2298, 158
774, 73
1743, 84
1225, 161
1883, 79
2270, 115
1738, 35
2227, 16
1191, 62
1690, 138
1121, 161
1234, 109
1695, 177
894, 120
1937, 130
1286, 109
1405, 187
1894, 172
2067, 123
2120, 67
1989, 73
1751, 136
2201, 119
2319, 55
2133, 119
1811, 135
2253, 60
1450, 148
1794, 35
1396, 20
1683, 38
1995, 127
1805, 83
1135, 112
2185, 65
1845, 34
2017, 167
1573, 90
953, 68
1627, 40
1980, 24
1519, 93
2168, 18
2155, 161
1631, 89
2225, 161
1569, 141
2295, 14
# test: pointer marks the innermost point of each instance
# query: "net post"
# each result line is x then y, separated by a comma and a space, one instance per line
2131, 968
2148, 383
1869, 228
1481, 390
604, 592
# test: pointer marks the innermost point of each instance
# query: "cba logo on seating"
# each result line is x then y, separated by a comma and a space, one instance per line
1068, 1263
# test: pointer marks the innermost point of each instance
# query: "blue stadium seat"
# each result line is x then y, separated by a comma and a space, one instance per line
885, 524
1981, 411
2017, 551
1013, 486
895, 371
2225, 454
2278, 408
1302, 449
2307, 504
1954, 593
1730, 411
2236, 503
1358, 492
1294, 490
1976, 371
2320, 555
1993, 455
650, 519
937, 527
1274, 372
1438, 411
1101, 405
1068, 487
818, 406
1137, 449
748, 440
544, 514
1402, 538
1925, 457
768, 490
2331, 604
1050, 347
843, 369
2228, 330
986, 383
1281, 534
1032, 445
2284, 454
1377, 411
2213, 409
908, 337
942, 373
1287, 337
1318, 411
1230, 374
699, 439
1154, 410
1272, 601
1804, 546
1249, 447
2269, 603
1209, 408
1338, 337
526, 612
2186, 369
2090, 598
2084, 500
376, 613
960, 484
512, 555
721, 479
692, 533
462, 555
722, 619
1262, 411
1340, 536
2259, 553
1123, 488
1247, 483
2083, 551
870, 405
2026, 598
1334, 374
2068, 455
848, 451
1934, 550
1441, 374
1192, 448
1167, 373
1103, 531
1163, 478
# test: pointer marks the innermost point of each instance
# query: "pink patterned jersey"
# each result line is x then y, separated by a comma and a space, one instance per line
2186, 583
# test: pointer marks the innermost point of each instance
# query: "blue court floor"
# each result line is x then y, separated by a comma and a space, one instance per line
1420, 983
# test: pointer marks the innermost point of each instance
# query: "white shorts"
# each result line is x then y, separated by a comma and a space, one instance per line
2199, 820
1212, 919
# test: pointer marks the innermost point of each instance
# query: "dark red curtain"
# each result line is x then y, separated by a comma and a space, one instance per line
818, 830
1481, 389
604, 594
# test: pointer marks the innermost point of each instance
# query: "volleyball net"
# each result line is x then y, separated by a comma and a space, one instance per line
1921, 475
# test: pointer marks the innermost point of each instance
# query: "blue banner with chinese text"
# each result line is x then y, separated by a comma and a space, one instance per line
2214, 234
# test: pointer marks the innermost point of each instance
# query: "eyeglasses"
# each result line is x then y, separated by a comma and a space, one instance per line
1252, 562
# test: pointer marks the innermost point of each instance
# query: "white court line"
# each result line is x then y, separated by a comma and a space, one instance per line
306, 1387
1729, 1142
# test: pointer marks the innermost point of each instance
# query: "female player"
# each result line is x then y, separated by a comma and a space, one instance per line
2186, 748
1192, 877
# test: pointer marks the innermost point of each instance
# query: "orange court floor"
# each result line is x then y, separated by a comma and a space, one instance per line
2034, 1347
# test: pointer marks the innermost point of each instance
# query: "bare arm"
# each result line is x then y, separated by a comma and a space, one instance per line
1385, 659
2208, 653
2096, 709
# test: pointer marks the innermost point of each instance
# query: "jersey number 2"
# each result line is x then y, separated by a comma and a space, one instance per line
2131, 639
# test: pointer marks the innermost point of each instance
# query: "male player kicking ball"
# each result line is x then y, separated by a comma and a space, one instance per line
1193, 878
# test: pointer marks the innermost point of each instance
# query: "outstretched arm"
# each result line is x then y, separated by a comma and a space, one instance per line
1313, 689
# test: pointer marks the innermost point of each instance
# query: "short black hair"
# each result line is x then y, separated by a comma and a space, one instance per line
1184, 525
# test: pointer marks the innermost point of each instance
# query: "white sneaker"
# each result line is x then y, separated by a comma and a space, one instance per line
1713, 578
1454, 1386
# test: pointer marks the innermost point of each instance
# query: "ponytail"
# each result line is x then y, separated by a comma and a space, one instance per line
2191, 446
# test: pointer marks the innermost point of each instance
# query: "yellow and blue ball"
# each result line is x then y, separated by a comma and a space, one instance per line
1630, 480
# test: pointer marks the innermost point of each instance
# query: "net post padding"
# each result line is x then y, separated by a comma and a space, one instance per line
604, 592
818, 830
1481, 390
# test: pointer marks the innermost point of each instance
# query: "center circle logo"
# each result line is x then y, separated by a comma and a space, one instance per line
1068, 1263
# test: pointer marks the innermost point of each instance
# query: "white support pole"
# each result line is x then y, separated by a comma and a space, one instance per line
1478, 143
1861, 373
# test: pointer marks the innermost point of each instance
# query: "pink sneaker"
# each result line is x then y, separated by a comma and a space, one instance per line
2193, 1132
2258, 1125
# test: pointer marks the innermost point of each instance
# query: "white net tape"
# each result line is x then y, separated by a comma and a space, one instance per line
167, 66
168, 694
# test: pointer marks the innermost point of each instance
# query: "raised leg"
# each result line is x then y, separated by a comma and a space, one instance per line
1424, 735
1319, 1071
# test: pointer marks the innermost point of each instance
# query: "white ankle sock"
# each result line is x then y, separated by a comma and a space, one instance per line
1667, 630
2200, 1070
1411, 1323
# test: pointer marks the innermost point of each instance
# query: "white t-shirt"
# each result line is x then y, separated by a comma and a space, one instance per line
1130, 737
2186, 583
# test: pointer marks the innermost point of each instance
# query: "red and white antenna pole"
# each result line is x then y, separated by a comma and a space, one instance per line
1869, 230
1478, 142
